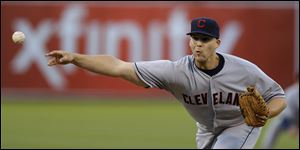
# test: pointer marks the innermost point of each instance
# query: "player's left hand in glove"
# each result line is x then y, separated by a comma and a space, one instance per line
253, 107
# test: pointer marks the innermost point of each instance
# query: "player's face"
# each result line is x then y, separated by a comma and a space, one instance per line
203, 46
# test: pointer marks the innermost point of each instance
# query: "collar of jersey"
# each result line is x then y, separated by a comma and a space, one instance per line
216, 70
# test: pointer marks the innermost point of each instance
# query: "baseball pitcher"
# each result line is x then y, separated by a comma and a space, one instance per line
210, 85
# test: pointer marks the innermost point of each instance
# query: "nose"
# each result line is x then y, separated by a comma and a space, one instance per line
198, 43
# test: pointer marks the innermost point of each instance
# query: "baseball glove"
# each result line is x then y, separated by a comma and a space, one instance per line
253, 107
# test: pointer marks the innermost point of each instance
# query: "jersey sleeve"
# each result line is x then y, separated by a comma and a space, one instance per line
156, 74
266, 85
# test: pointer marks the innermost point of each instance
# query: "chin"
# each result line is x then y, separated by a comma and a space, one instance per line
200, 59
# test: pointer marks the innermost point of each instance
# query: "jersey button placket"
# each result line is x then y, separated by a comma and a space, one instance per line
213, 113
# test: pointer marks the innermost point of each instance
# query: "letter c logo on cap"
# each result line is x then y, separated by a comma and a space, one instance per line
201, 23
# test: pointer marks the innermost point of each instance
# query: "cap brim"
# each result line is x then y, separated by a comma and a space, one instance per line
199, 32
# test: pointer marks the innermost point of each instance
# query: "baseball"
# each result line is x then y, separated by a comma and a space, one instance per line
18, 37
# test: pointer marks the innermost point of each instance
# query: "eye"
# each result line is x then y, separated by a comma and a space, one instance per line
195, 38
205, 39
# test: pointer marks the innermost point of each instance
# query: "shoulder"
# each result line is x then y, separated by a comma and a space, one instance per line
164, 65
239, 62
185, 62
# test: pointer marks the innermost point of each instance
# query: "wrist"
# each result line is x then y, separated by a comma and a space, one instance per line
76, 58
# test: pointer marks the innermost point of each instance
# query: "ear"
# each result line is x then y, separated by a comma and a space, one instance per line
191, 43
218, 42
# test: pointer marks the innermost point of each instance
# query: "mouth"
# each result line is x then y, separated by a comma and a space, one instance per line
198, 50
198, 54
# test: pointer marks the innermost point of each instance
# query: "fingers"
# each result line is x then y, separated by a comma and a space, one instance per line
58, 61
53, 61
55, 53
261, 117
54, 57
63, 59
262, 120
59, 57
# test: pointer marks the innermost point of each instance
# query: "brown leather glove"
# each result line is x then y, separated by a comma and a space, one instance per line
253, 108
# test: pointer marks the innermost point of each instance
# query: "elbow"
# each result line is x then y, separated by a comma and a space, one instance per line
277, 106
282, 105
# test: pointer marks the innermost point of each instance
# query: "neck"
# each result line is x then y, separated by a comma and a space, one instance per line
210, 63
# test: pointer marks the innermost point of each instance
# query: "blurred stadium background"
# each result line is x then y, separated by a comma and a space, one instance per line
67, 107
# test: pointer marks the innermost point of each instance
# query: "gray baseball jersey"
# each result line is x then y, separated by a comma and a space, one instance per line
210, 98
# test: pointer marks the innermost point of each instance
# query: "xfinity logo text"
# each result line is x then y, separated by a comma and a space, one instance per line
105, 38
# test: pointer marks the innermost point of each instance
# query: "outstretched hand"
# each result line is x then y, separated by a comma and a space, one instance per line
59, 57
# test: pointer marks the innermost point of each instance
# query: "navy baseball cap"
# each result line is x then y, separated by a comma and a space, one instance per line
205, 26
